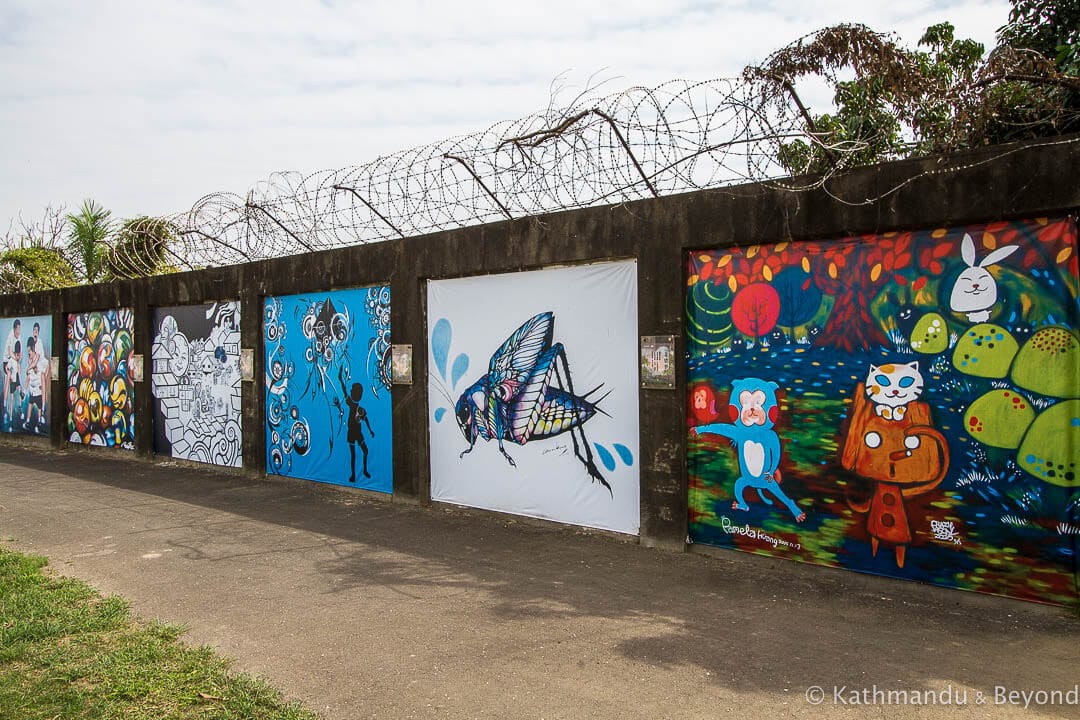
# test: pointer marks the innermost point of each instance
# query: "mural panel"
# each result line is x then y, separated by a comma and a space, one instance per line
100, 392
905, 404
24, 392
533, 392
328, 411
195, 378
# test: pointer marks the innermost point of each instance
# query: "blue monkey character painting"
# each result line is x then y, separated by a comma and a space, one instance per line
754, 411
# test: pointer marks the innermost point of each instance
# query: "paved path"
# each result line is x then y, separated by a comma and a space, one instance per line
369, 609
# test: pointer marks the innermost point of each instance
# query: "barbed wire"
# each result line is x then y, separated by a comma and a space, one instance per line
639, 143
677, 137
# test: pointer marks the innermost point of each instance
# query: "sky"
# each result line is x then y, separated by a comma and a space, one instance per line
146, 106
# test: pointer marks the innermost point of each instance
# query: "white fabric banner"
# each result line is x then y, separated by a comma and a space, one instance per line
545, 362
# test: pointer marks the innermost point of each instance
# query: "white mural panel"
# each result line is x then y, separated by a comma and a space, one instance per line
533, 392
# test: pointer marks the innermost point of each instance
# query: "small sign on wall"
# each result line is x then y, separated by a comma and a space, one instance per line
54, 367
135, 367
658, 361
247, 364
401, 364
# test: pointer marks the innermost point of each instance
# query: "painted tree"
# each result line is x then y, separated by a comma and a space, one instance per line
850, 270
755, 309
800, 297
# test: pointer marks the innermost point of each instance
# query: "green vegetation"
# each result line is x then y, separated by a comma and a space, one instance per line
84, 247
892, 102
27, 269
88, 234
66, 652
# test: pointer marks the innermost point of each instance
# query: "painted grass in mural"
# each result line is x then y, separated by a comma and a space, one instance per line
195, 379
24, 391
328, 411
926, 407
100, 392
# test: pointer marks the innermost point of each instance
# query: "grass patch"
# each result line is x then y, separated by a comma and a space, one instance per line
66, 652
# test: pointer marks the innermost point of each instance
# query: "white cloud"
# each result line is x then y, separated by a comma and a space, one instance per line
146, 107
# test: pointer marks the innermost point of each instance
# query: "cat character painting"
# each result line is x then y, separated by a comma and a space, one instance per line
892, 443
754, 411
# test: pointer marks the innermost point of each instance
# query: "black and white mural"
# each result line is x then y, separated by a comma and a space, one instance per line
196, 382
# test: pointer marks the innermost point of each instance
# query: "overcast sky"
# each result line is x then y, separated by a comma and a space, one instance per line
147, 105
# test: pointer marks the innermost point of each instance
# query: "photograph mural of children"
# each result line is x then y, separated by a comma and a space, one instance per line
328, 412
927, 404
195, 379
25, 366
100, 391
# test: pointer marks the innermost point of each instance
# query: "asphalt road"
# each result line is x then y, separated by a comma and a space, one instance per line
363, 608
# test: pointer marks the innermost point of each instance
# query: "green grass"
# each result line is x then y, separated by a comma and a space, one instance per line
66, 652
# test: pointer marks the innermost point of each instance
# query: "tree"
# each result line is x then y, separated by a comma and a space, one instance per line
34, 257
1042, 33
89, 234
34, 268
943, 98
755, 309
1049, 27
799, 297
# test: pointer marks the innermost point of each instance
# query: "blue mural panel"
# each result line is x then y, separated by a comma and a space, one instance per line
24, 392
328, 410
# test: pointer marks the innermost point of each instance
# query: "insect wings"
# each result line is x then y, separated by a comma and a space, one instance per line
528, 394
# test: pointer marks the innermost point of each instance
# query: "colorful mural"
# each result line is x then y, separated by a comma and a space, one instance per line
24, 392
195, 379
328, 411
533, 392
905, 404
100, 392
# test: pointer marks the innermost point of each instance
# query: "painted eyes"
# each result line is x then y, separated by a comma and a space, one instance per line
884, 381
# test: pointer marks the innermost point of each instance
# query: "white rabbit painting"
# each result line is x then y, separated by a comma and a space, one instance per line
975, 291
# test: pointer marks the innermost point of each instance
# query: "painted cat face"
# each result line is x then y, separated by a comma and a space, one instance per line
894, 385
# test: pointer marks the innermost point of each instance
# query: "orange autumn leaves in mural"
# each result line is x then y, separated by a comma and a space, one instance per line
850, 268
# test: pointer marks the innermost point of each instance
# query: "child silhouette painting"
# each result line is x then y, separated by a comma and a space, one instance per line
357, 415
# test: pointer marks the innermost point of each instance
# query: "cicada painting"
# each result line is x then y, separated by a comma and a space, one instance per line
527, 394
534, 396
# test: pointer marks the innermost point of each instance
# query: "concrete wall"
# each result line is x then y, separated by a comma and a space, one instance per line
992, 184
